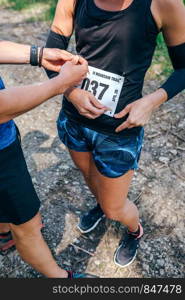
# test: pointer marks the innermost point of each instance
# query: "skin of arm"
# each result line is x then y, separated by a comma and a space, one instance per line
18, 100
14, 53
170, 17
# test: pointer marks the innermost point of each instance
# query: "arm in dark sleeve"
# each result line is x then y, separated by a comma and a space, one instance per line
176, 82
59, 41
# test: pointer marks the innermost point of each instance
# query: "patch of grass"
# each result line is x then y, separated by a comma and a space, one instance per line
25, 4
51, 11
161, 65
21, 4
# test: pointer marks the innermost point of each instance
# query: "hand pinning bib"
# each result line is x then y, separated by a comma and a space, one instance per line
105, 86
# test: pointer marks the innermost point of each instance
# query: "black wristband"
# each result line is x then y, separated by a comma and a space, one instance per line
34, 56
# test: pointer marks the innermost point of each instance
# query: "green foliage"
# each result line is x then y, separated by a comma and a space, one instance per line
161, 66
24, 4
21, 4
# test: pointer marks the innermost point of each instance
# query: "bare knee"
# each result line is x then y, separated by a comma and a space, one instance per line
116, 211
28, 230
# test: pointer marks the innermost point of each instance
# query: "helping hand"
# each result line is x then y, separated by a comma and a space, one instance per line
53, 59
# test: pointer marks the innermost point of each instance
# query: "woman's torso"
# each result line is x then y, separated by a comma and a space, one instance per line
121, 43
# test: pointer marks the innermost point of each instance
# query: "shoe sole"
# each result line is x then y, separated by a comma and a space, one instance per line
90, 229
121, 266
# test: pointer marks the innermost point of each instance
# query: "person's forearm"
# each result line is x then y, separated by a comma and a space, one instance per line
157, 98
18, 100
70, 92
176, 81
13, 53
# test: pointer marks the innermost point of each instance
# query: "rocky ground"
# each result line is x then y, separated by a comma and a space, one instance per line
158, 187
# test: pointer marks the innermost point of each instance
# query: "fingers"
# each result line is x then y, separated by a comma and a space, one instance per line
127, 124
123, 113
95, 102
90, 115
82, 69
75, 59
93, 108
92, 111
96, 112
87, 112
123, 126
82, 61
64, 55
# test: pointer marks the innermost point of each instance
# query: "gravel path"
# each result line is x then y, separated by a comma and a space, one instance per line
158, 187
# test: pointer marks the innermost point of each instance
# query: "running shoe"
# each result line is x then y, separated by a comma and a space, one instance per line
6, 241
127, 250
72, 275
90, 220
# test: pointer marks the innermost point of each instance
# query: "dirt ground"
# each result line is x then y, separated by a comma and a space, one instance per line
158, 187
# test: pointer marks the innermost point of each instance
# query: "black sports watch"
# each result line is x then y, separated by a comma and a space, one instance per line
34, 56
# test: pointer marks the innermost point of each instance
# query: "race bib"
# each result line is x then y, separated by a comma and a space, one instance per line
105, 86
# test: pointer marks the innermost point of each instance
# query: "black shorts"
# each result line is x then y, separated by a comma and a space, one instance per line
19, 202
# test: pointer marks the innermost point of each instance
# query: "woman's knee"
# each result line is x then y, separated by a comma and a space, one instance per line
113, 209
114, 212
31, 228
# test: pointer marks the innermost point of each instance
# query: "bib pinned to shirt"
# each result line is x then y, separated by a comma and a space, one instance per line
105, 86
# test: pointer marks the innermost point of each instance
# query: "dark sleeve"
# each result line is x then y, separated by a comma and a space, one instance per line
59, 41
176, 82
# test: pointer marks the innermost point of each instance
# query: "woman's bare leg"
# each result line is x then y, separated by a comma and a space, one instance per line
111, 193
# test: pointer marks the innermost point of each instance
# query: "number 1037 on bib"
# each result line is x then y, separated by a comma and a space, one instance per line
105, 86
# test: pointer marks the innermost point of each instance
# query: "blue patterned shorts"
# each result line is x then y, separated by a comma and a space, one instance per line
113, 155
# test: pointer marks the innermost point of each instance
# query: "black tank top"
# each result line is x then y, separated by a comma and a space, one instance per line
121, 42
